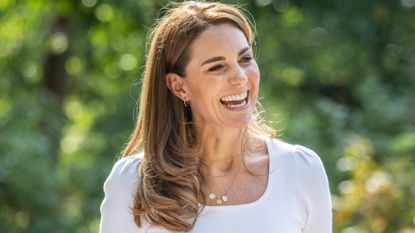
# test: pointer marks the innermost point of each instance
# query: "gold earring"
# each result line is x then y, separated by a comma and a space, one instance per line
186, 103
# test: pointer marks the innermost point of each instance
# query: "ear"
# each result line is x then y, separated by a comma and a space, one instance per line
176, 85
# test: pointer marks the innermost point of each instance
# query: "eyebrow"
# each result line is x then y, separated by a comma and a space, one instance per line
220, 58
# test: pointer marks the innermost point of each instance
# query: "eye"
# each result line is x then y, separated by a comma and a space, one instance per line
216, 68
246, 58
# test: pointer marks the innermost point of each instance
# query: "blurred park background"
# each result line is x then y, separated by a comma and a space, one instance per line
337, 76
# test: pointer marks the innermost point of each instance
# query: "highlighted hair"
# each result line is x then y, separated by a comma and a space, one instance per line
170, 185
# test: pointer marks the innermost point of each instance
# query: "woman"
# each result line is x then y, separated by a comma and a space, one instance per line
199, 159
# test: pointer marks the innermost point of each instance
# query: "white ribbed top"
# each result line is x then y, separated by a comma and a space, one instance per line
296, 199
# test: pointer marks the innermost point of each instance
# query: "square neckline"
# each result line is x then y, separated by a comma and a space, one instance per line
260, 199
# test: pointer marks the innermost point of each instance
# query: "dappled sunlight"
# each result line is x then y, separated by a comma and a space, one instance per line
372, 192
336, 76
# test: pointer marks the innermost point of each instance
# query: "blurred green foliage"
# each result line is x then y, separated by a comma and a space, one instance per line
337, 76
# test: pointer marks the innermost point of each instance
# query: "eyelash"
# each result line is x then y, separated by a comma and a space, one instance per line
216, 68
219, 67
247, 59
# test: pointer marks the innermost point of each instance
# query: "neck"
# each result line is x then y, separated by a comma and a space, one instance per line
221, 151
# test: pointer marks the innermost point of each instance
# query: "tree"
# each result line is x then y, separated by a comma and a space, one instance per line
337, 76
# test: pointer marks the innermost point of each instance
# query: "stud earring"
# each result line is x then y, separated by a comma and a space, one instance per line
186, 103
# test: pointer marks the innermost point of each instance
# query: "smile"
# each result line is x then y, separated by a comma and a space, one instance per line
235, 101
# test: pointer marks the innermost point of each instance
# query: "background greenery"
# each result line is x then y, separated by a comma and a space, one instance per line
337, 76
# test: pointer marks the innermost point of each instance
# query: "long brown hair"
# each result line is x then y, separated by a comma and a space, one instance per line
170, 183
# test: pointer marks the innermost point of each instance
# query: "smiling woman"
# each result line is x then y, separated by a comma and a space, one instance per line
199, 159
221, 79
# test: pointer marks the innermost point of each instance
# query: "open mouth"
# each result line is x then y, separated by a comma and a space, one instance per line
235, 101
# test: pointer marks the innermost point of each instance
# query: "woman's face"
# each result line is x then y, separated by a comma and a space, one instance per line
221, 78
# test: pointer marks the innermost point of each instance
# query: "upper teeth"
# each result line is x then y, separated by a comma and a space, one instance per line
235, 97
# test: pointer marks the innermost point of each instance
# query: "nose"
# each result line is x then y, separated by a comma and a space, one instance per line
238, 76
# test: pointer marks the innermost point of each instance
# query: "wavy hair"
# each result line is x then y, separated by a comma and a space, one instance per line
170, 184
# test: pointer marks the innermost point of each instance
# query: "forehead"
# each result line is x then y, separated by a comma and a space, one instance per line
217, 40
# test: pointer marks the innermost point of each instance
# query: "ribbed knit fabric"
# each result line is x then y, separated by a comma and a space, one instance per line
296, 199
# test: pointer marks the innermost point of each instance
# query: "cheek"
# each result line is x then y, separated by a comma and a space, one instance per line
202, 91
253, 74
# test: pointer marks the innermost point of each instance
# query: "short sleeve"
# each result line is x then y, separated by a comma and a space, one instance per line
314, 191
119, 189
